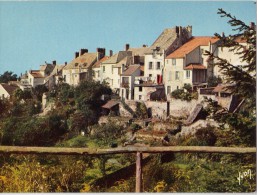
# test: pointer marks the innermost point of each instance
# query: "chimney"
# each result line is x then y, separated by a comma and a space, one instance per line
76, 54
111, 53
82, 51
144, 45
252, 25
223, 34
100, 53
127, 47
54, 62
189, 30
180, 30
65, 63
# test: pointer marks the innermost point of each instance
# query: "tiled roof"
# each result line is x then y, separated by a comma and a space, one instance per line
138, 51
36, 74
125, 61
98, 63
118, 57
110, 104
195, 66
9, 88
131, 69
83, 61
166, 38
191, 45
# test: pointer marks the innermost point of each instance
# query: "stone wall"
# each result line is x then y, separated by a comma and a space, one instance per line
178, 108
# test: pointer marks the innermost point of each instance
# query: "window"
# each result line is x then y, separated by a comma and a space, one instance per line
158, 65
140, 88
169, 76
168, 89
140, 97
177, 75
150, 65
188, 74
150, 75
103, 68
112, 70
174, 62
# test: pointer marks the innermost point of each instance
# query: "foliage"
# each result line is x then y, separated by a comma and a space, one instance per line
214, 81
141, 110
33, 132
39, 90
240, 126
8, 76
243, 76
185, 93
31, 175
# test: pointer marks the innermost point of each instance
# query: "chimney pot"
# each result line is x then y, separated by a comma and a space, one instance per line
83, 51
76, 54
127, 47
111, 53
252, 25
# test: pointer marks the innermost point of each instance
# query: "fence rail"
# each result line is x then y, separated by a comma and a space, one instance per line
120, 150
129, 149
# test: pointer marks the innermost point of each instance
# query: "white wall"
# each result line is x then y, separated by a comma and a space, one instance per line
3, 93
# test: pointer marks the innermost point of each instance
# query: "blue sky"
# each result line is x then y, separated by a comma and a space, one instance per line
34, 32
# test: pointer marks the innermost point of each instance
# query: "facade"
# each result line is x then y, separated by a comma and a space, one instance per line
97, 69
128, 81
6, 91
188, 64
169, 40
230, 56
80, 68
112, 69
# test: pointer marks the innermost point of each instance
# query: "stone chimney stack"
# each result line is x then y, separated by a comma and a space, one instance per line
127, 47
100, 53
252, 25
54, 62
76, 54
111, 53
83, 51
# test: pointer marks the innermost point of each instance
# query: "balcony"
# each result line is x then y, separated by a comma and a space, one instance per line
125, 85
142, 79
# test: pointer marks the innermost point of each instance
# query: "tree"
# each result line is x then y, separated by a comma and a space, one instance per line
243, 76
8, 76
242, 125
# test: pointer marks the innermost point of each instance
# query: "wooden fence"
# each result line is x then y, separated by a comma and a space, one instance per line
129, 149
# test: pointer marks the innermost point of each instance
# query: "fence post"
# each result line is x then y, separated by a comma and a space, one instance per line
139, 172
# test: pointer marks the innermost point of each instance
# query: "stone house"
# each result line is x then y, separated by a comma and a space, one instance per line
188, 64
169, 40
7, 91
37, 77
128, 81
80, 68
230, 56
97, 68
112, 68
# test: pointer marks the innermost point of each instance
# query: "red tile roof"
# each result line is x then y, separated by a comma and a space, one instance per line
98, 63
191, 45
195, 66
